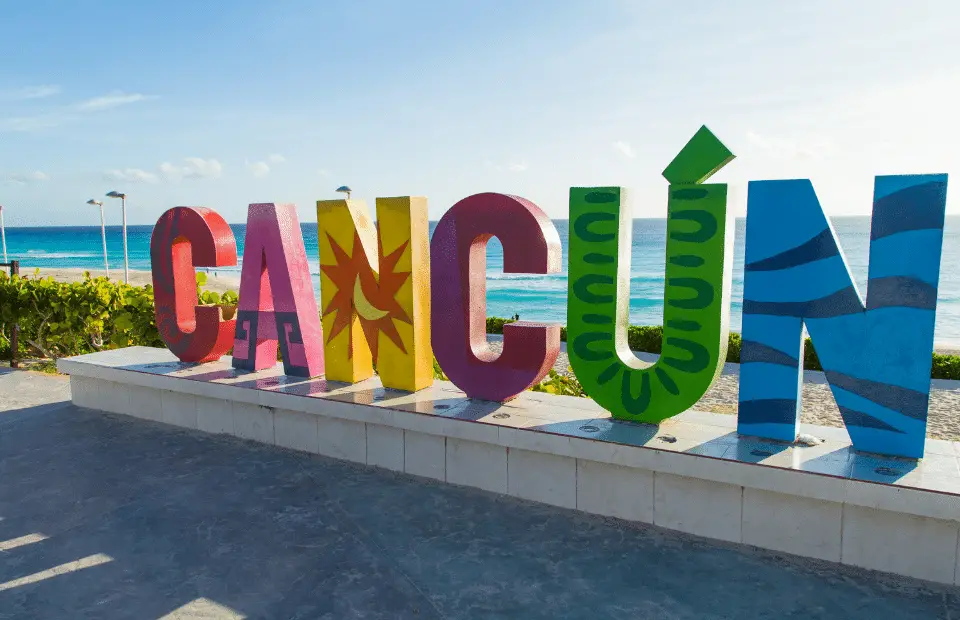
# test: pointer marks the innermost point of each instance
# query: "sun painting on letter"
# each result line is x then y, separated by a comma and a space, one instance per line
360, 289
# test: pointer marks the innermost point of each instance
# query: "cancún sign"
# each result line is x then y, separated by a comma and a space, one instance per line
392, 296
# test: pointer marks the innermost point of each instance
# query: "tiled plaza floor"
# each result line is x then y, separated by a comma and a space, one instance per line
107, 517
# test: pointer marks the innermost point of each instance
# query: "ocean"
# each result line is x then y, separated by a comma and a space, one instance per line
533, 297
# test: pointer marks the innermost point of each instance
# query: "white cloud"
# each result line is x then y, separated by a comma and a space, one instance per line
31, 92
192, 168
625, 149
62, 114
32, 123
112, 100
195, 168
806, 148
323, 172
131, 175
22, 178
258, 169
514, 166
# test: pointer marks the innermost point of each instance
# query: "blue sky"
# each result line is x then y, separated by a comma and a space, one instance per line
226, 103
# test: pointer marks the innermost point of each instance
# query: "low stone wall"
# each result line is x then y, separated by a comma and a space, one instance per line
693, 473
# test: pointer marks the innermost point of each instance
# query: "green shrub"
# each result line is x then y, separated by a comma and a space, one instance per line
563, 385
60, 319
945, 366
438, 373
647, 338
734, 344
810, 359
495, 324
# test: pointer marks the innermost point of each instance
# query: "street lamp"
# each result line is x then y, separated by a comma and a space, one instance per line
123, 210
343, 189
3, 235
103, 234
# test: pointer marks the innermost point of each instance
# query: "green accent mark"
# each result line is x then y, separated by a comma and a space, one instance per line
695, 303
667, 382
699, 355
705, 231
613, 195
597, 319
685, 260
609, 373
703, 293
698, 160
581, 345
581, 227
581, 288
639, 405
596, 258
688, 193
684, 326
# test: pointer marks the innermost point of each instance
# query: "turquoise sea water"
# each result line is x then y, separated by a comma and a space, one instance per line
532, 297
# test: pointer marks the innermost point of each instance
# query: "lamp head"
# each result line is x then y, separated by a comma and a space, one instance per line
116, 194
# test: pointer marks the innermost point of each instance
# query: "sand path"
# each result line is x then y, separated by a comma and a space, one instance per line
215, 282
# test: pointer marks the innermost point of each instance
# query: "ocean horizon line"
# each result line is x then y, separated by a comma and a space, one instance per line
553, 219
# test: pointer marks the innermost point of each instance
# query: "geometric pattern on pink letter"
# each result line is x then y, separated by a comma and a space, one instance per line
277, 306
531, 244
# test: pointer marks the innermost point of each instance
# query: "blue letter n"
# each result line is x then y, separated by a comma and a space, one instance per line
877, 358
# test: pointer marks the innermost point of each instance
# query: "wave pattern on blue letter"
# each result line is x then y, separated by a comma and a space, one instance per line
876, 356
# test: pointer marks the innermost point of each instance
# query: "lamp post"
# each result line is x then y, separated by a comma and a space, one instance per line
3, 235
343, 189
103, 234
123, 210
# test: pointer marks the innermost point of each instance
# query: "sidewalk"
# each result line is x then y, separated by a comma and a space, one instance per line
105, 517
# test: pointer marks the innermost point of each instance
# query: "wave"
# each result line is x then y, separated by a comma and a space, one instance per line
54, 255
525, 276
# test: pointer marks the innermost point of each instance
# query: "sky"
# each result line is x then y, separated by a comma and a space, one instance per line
223, 104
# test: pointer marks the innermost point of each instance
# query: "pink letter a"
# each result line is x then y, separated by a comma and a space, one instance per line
277, 303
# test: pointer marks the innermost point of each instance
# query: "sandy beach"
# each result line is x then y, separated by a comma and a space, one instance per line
218, 282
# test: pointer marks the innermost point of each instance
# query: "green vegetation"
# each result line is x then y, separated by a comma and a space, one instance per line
945, 366
563, 385
59, 319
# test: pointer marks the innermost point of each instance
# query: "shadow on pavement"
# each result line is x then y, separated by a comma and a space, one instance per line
143, 519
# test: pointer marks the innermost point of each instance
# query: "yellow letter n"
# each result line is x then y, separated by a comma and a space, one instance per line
375, 291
